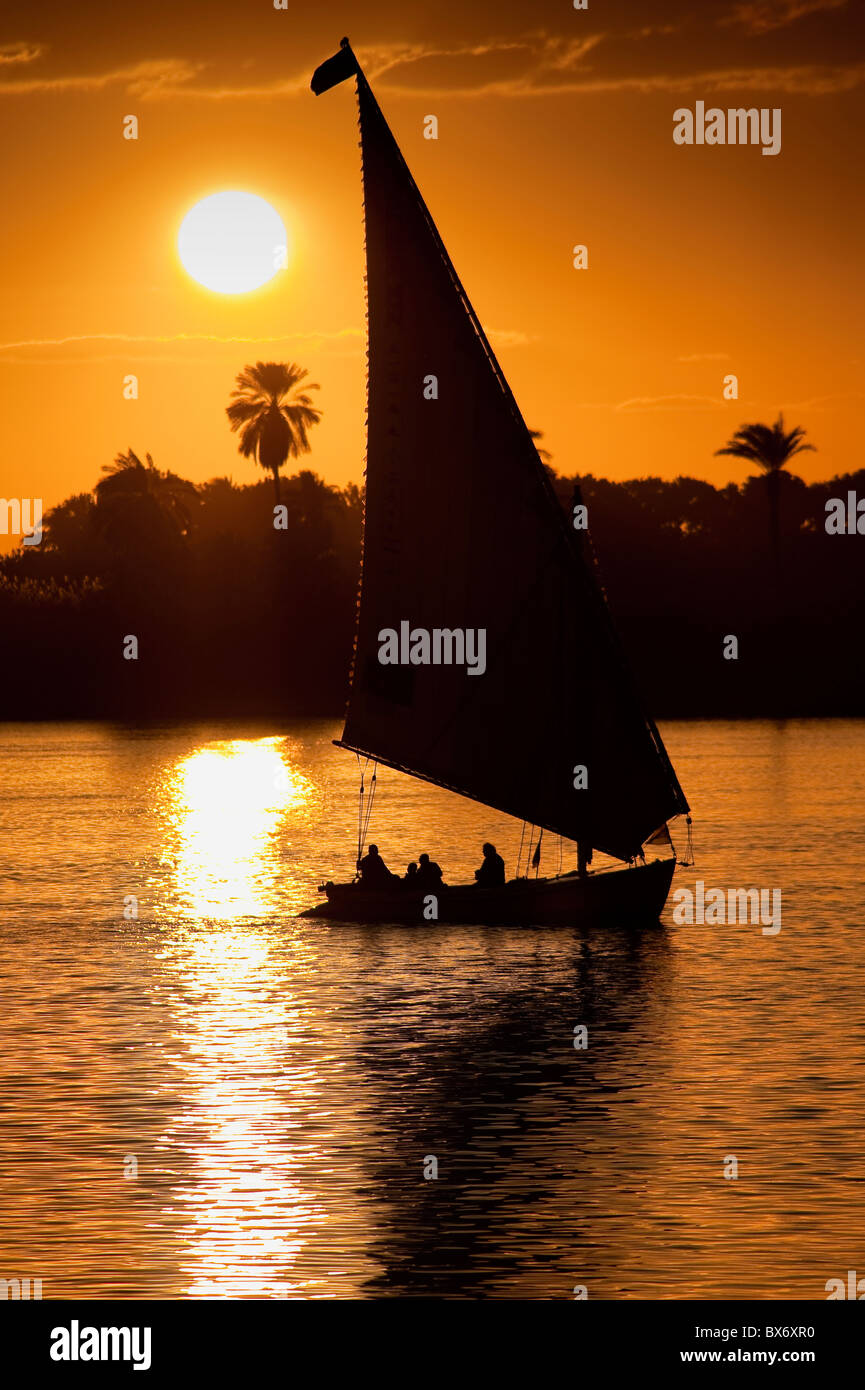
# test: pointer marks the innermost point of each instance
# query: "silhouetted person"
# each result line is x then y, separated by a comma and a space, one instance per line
374, 873
410, 879
429, 875
491, 874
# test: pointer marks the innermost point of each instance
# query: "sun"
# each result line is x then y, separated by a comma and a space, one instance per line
232, 242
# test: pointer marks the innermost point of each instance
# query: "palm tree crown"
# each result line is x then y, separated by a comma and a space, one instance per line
272, 414
770, 447
129, 483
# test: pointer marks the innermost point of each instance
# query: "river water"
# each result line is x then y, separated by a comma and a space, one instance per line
218, 1098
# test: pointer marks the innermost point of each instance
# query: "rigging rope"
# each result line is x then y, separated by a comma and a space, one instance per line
363, 817
536, 857
529, 849
520, 850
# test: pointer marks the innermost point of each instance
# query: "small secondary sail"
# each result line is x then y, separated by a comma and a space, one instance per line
462, 531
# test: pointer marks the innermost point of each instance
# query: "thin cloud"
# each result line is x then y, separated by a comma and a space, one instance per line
558, 66
551, 66
330, 336
509, 337
351, 338
561, 55
378, 60
766, 15
159, 77
547, 60
176, 77
808, 79
20, 52
103, 358
639, 404
649, 31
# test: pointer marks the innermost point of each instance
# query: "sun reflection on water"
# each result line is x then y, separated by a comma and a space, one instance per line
228, 802
245, 1199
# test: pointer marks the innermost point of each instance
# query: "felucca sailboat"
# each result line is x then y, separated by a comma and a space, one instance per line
463, 534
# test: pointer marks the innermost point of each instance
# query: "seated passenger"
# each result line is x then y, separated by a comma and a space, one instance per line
491, 874
429, 875
410, 880
374, 873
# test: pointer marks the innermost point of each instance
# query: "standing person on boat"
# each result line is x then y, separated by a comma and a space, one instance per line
491, 874
429, 875
374, 873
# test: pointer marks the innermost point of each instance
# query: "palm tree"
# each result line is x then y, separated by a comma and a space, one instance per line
272, 414
127, 476
771, 448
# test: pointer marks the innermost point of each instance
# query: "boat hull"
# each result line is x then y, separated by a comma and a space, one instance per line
627, 896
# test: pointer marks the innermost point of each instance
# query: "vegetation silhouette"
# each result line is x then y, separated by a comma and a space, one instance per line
771, 447
273, 414
237, 618
139, 506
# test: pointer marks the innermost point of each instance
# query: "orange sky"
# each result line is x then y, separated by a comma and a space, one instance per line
555, 127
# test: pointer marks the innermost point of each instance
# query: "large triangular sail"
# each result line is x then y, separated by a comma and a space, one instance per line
462, 531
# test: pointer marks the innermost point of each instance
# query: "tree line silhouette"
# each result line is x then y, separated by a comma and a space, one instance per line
234, 617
